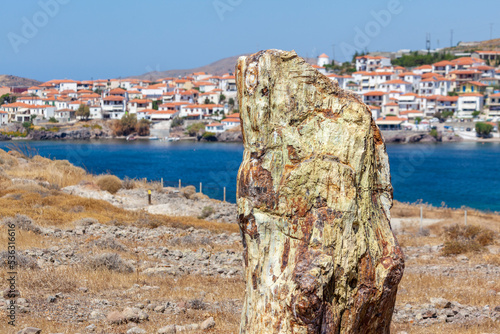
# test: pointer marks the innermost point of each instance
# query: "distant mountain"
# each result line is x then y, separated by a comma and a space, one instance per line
219, 67
13, 81
492, 44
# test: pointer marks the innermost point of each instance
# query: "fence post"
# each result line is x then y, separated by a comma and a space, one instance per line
179, 184
162, 182
421, 219
149, 197
201, 188
224, 194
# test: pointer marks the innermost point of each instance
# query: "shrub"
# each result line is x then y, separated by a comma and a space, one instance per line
22, 222
483, 129
196, 129
460, 239
188, 191
128, 183
209, 136
109, 183
206, 212
21, 261
110, 261
108, 243
434, 133
176, 122
142, 127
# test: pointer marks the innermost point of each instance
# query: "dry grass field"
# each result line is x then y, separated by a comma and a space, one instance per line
469, 274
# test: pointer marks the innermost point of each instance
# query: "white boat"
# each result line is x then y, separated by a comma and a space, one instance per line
172, 138
153, 138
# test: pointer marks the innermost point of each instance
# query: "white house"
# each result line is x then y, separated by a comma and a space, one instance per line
231, 122
64, 115
323, 60
215, 127
443, 67
163, 115
376, 98
409, 101
468, 103
370, 63
396, 85
95, 112
136, 105
4, 117
113, 106
68, 85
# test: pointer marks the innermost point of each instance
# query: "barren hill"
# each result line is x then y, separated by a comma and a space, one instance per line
13, 81
219, 67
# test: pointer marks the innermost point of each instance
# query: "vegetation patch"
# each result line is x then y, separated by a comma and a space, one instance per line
461, 239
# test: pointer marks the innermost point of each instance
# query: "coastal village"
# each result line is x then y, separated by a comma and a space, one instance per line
463, 89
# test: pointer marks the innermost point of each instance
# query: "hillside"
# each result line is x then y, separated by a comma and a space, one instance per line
13, 81
492, 44
218, 67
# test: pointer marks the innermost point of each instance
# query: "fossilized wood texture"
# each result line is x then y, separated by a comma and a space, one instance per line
314, 194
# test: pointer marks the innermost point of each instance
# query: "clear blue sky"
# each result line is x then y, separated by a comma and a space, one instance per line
84, 39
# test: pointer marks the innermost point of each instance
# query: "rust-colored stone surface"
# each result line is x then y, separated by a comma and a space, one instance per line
314, 194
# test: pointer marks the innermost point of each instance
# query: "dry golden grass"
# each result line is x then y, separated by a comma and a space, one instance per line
405, 210
466, 288
109, 183
112, 286
483, 328
26, 239
55, 208
58, 173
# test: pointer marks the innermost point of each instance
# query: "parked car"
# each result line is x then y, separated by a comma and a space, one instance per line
468, 129
461, 128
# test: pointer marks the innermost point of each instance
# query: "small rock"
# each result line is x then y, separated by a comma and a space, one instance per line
95, 315
462, 257
30, 330
209, 323
83, 289
192, 327
160, 309
51, 299
170, 329
136, 330
134, 314
90, 328
116, 317
440, 303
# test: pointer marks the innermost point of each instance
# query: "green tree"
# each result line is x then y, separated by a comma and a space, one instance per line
7, 98
231, 101
476, 113
208, 101
53, 120
483, 129
156, 104
83, 111
196, 129
418, 120
142, 127
222, 98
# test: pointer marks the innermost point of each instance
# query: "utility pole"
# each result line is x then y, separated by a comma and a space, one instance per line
428, 42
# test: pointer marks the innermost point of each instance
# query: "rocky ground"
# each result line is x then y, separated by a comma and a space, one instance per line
93, 262
151, 258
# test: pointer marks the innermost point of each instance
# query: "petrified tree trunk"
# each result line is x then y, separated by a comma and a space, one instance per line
314, 194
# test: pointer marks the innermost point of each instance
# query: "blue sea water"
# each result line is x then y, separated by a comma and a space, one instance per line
457, 174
